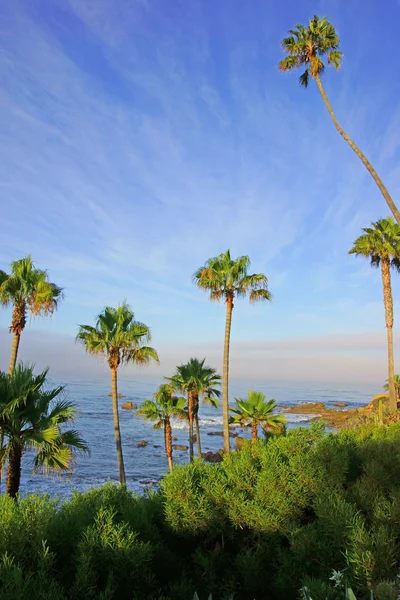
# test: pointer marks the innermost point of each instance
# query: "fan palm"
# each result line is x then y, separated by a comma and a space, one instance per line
306, 48
121, 339
32, 417
381, 244
164, 407
26, 288
396, 381
254, 411
226, 278
197, 380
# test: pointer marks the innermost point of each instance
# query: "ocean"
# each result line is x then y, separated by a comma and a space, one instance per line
147, 464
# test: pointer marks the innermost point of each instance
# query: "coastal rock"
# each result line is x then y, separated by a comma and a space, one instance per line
118, 395
213, 457
156, 446
307, 409
221, 433
180, 447
142, 444
129, 406
149, 482
174, 439
340, 404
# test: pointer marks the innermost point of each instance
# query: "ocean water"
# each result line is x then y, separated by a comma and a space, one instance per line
146, 465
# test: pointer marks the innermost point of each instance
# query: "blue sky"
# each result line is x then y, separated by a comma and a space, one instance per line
140, 138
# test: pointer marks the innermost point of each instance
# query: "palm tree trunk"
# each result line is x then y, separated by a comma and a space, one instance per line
198, 441
168, 442
117, 431
360, 155
254, 431
225, 374
14, 352
190, 413
388, 301
14, 470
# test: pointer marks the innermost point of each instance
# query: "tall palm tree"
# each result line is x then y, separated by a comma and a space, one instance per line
254, 411
396, 380
164, 407
226, 278
121, 339
32, 417
381, 244
27, 289
197, 380
306, 48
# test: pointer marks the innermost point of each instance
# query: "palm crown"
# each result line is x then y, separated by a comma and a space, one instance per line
224, 277
307, 46
194, 376
164, 406
118, 336
29, 287
380, 242
32, 416
254, 409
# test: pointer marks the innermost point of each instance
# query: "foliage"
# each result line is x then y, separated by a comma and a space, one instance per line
307, 46
254, 411
33, 417
379, 242
268, 520
164, 406
118, 337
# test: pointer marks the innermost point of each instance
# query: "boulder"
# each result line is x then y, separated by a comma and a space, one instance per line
142, 444
340, 404
129, 406
174, 439
149, 482
180, 447
213, 457
156, 446
221, 433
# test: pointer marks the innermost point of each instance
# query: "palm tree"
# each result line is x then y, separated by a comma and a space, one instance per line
306, 47
197, 380
26, 289
32, 417
226, 278
381, 244
164, 406
396, 380
121, 339
254, 411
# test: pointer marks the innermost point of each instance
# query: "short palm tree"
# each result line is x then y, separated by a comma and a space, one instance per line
381, 244
226, 278
306, 48
121, 339
32, 417
254, 411
196, 380
396, 380
27, 289
162, 409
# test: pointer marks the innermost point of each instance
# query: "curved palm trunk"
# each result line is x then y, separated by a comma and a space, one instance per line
14, 470
117, 431
168, 441
254, 432
18, 323
225, 374
191, 419
388, 301
360, 155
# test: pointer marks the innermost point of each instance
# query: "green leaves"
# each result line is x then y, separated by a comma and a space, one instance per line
379, 242
224, 277
163, 407
307, 46
254, 410
119, 337
32, 416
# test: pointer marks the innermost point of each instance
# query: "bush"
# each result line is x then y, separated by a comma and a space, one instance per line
269, 519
